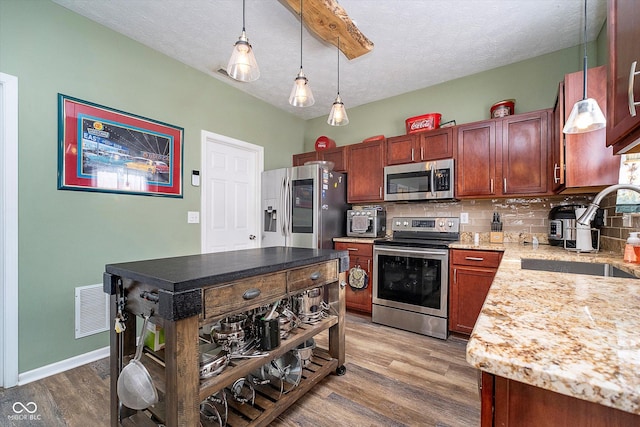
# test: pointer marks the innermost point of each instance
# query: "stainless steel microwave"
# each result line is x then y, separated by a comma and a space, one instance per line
419, 181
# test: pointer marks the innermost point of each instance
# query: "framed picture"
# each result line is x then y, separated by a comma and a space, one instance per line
106, 150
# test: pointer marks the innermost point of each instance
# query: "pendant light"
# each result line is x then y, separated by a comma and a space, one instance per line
586, 115
301, 95
338, 115
242, 64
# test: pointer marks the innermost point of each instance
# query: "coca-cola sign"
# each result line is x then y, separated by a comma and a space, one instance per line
422, 124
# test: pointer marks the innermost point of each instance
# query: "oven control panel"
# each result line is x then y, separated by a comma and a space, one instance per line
429, 224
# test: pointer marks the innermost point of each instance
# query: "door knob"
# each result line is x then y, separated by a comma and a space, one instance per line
252, 237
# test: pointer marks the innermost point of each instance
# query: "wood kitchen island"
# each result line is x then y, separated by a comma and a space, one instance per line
183, 294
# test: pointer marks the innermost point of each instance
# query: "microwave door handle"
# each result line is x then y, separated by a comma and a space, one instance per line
433, 180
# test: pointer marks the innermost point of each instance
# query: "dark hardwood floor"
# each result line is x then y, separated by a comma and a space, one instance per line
393, 378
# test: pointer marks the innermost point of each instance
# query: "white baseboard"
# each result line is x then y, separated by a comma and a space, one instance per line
63, 365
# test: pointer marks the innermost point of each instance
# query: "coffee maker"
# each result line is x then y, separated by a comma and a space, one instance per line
563, 226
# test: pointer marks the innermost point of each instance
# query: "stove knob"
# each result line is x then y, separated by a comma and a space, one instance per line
398, 223
406, 223
441, 224
450, 224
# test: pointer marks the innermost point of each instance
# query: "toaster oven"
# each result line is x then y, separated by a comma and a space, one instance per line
366, 223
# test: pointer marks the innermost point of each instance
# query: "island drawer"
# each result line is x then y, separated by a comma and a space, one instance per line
313, 275
487, 259
235, 296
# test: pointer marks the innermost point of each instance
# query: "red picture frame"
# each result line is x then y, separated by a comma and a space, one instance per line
107, 150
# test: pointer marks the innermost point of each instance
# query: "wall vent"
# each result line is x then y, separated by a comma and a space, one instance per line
92, 310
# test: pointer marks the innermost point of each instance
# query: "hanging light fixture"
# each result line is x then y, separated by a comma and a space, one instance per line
242, 64
301, 95
586, 115
338, 115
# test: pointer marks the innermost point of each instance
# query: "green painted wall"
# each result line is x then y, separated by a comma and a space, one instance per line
532, 83
67, 237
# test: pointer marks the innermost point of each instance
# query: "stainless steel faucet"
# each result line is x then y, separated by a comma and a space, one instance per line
587, 216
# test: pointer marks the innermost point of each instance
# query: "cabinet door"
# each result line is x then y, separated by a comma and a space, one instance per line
557, 141
468, 290
589, 162
301, 159
359, 254
366, 168
525, 161
476, 160
623, 31
336, 155
401, 150
435, 144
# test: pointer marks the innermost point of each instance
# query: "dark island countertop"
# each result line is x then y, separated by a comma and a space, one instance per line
179, 274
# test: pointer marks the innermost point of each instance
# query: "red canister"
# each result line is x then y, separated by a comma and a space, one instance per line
324, 142
503, 108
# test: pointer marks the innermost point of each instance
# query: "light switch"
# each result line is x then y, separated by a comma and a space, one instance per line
193, 217
464, 217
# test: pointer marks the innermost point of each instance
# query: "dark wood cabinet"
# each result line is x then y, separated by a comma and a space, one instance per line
623, 33
504, 157
366, 172
471, 273
477, 159
525, 160
509, 403
581, 161
359, 254
420, 147
337, 155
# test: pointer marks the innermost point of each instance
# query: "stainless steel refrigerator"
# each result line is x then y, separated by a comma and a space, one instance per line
303, 206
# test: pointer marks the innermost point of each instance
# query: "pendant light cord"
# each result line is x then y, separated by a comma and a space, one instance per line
300, 34
338, 66
243, 16
584, 65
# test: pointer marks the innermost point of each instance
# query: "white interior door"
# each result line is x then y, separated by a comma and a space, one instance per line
8, 230
231, 171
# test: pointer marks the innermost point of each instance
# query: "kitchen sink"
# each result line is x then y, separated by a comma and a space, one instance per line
574, 267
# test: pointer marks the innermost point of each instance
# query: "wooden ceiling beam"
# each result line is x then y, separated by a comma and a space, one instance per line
328, 21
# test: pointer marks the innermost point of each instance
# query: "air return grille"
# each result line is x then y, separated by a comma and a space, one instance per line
92, 310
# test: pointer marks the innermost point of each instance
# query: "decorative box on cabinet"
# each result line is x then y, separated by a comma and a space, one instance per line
366, 172
359, 254
184, 294
471, 273
623, 33
420, 147
582, 161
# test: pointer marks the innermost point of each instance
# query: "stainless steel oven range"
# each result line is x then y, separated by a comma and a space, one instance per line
411, 275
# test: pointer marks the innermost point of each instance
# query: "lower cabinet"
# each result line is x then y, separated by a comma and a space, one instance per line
509, 403
359, 254
471, 273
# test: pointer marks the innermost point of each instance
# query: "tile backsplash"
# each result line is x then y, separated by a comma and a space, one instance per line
522, 218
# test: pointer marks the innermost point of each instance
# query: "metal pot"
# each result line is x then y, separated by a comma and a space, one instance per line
213, 360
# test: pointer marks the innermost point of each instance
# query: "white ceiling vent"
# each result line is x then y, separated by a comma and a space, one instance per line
92, 310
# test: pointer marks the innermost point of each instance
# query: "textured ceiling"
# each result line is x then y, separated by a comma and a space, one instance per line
418, 43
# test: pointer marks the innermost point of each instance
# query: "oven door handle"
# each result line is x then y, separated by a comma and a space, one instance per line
419, 251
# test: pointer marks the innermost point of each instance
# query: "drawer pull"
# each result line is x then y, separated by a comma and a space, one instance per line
251, 293
473, 258
315, 275
353, 249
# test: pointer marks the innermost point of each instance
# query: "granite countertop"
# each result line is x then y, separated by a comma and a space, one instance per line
184, 273
573, 334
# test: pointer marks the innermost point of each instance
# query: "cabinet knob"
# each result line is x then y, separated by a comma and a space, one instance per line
251, 293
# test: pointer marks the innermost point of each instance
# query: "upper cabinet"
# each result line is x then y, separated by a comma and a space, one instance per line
366, 172
420, 147
623, 85
581, 162
503, 157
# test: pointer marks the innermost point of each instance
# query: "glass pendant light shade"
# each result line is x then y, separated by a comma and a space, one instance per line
338, 115
586, 116
301, 95
242, 64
